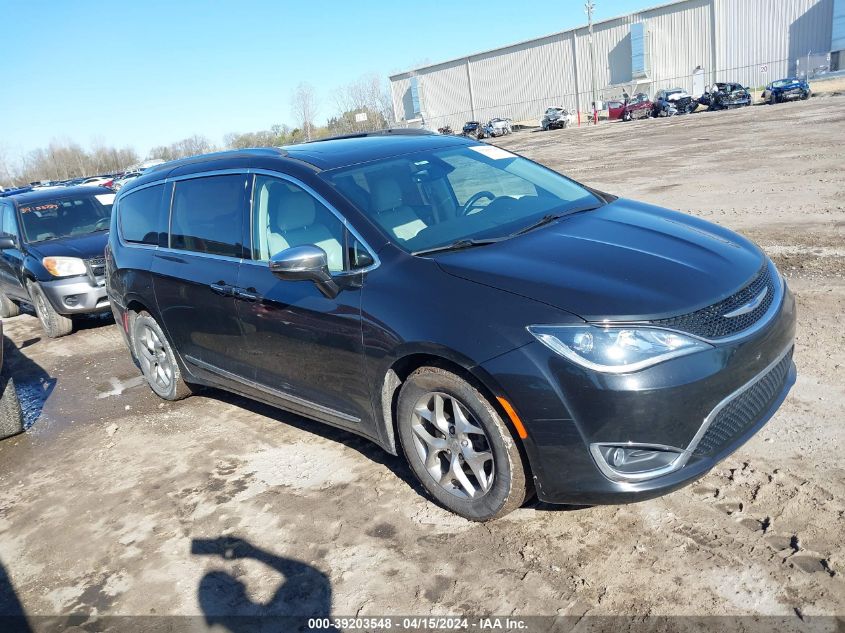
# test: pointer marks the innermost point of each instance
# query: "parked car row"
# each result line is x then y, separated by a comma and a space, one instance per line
112, 181
719, 96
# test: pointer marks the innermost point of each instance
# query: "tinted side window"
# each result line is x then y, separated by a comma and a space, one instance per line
142, 216
10, 227
208, 215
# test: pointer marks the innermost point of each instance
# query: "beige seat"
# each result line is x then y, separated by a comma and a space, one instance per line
296, 219
398, 218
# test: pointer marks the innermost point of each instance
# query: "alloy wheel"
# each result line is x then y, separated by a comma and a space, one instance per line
41, 310
153, 358
452, 445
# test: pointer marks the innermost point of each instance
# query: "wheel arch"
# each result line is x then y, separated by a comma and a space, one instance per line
413, 359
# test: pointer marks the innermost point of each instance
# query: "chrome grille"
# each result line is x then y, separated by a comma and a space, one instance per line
96, 270
711, 322
741, 413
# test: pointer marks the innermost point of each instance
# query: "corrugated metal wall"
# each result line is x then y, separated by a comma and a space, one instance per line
751, 34
730, 39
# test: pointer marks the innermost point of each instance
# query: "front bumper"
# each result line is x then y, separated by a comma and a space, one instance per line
76, 295
566, 409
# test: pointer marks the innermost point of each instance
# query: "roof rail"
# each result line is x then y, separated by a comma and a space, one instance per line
230, 153
391, 131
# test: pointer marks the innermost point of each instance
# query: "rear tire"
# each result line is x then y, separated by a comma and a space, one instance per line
156, 358
8, 308
55, 325
11, 418
458, 446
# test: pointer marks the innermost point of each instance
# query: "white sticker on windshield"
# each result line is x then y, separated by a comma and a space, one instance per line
491, 151
105, 198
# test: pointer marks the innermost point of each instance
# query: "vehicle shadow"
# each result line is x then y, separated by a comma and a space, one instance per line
91, 321
33, 384
540, 506
304, 593
12, 615
80, 322
368, 449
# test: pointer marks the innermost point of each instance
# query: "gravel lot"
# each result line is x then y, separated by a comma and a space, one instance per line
106, 500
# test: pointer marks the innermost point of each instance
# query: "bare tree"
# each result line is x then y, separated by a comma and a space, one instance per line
62, 160
304, 105
369, 95
191, 146
7, 177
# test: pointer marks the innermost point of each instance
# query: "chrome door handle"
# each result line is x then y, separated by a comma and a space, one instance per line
222, 289
246, 295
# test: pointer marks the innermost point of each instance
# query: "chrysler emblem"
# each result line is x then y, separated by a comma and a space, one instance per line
748, 307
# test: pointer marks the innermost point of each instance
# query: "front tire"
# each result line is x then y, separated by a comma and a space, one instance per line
8, 308
156, 358
55, 325
459, 447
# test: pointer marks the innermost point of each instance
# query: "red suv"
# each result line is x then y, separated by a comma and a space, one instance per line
637, 107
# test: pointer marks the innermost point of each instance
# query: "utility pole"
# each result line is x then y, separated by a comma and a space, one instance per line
589, 7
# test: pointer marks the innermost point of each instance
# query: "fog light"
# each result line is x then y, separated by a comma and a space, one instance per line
635, 462
71, 301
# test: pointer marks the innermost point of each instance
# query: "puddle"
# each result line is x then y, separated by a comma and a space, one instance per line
32, 396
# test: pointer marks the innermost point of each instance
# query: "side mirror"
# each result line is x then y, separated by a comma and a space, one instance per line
305, 263
7, 242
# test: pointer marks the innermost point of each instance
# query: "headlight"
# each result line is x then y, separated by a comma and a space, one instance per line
64, 266
616, 350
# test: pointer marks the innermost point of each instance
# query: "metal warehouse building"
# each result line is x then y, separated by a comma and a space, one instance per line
689, 44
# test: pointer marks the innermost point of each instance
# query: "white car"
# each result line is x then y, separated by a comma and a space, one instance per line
96, 181
557, 117
500, 126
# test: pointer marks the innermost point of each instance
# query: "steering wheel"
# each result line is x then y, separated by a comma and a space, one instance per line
102, 223
473, 200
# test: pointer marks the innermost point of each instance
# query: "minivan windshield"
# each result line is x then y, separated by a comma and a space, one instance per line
52, 219
459, 195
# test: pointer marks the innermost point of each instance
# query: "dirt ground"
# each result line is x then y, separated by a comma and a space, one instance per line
114, 502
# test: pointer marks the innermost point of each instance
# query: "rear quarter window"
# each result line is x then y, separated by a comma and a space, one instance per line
208, 215
142, 216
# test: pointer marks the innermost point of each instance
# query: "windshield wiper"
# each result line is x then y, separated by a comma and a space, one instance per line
546, 219
551, 217
457, 246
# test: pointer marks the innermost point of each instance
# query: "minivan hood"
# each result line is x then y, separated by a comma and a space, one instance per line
623, 261
83, 246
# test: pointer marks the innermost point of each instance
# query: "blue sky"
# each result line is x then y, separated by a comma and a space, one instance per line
152, 72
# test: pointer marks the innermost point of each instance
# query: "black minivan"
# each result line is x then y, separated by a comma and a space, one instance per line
507, 329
